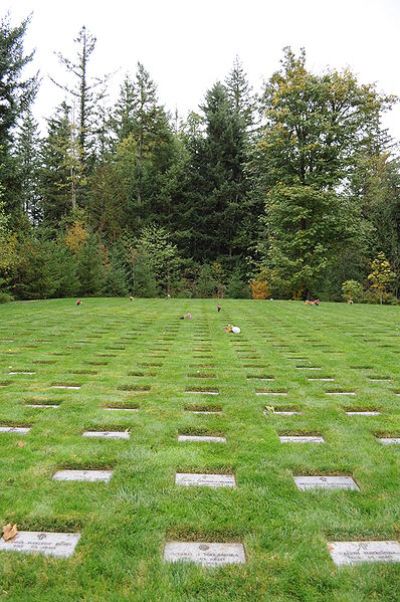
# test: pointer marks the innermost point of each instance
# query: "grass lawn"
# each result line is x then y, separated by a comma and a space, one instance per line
139, 355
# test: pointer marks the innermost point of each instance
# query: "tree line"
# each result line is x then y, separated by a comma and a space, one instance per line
289, 192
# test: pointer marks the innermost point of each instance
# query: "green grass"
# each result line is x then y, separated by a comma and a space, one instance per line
140, 354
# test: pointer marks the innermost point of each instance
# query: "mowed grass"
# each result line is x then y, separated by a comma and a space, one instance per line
139, 354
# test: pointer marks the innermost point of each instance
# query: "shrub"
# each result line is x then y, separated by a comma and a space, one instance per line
5, 297
352, 291
259, 286
237, 288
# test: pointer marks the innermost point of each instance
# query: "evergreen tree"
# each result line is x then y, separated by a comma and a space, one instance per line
86, 95
116, 281
16, 94
90, 268
27, 150
216, 193
240, 94
144, 280
60, 171
122, 119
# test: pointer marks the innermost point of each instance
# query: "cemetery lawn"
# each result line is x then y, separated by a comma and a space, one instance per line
140, 355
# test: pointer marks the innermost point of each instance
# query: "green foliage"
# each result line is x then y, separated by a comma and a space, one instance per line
304, 227
206, 283
381, 276
315, 125
91, 271
162, 255
352, 291
5, 297
27, 153
16, 94
144, 279
237, 287
116, 280
35, 275
308, 193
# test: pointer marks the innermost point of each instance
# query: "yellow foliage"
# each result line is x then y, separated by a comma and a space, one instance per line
259, 288
8, 252
76, 237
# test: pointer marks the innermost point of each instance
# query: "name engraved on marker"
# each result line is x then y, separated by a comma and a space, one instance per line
356, 552
192, 392
202, 438
65, 387
15, 429
301, 439
340, 392
107, 434
325, 482
273, 393
360, 413
41, 405
122, 409
60, 545
282, 413
204, 480
205, 554
90, 476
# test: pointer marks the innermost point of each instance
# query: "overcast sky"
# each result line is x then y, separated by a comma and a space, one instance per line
189, 44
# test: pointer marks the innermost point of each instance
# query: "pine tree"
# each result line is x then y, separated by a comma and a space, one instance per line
216, 187
16, 94
60, 171
122, 119
241, 95
27, 150
86, 95
90, 268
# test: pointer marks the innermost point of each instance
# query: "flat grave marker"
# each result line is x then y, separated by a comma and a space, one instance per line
389, 440
340, 392
91, 476
21, 430
273, 393
197, 391
304, 483
60, 545
107, 434
201, 438
356, 552
205, 554
43, 405
188, 479
121, 408
282, 412
207, 412
301, 439
72, 387
362, 413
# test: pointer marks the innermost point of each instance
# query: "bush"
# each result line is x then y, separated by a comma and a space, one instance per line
237, 287
352, 291
144, 280
259, 286
5, 297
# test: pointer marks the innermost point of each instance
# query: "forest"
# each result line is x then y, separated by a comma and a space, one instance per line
291, 191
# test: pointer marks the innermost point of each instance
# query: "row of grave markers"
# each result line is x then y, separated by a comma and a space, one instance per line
209, 554
206, 553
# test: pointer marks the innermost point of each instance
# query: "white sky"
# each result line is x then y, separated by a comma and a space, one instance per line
188, 44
